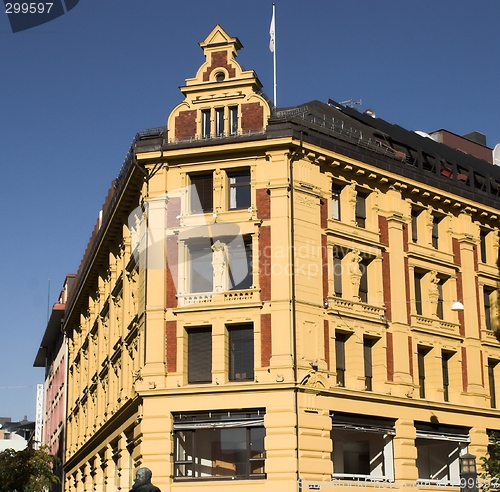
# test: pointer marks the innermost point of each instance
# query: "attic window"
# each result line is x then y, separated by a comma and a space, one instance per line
219, 77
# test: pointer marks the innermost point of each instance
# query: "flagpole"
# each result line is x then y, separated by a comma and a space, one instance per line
272, 47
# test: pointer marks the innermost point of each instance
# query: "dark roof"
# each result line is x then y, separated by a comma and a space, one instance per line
52, 331
390, 147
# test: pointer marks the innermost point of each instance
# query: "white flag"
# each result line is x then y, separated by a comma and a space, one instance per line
271, 34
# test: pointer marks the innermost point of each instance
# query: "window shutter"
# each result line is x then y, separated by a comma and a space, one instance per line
200, 355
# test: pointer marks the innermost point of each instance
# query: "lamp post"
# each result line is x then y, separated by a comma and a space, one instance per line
468, 473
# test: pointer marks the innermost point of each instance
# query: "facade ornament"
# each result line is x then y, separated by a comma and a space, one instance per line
219, 264
355, 272
433, 291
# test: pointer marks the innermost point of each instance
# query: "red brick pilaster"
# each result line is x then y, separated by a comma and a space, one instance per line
410, 355
390, 357
265, 340
465, 381
326, 335
265, 263
263, 204
171, 346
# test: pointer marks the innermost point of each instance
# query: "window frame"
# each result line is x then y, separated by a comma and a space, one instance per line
233, 188
192, 425
428, 435
340, 359
241, 352
360, 209
203, 184
379, 432
197, 357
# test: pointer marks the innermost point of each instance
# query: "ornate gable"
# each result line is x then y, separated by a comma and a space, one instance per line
222, 99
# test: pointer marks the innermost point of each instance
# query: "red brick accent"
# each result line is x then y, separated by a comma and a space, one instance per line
465, 381
478, 303
265, 263
386, 284
324, 260
172, 271
265, 340
410, 355
171, 345
185, 124
383, 227
455, 245
390, 357
407, 289
326, 335
263, 204
173, 211
218, 59
252, 117
323, 210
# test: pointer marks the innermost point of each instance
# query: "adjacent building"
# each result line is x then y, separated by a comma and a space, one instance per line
266, 302
52, 356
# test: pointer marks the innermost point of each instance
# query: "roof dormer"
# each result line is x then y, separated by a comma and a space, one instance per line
222, 99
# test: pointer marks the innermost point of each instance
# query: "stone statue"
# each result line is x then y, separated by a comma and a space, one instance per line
219, 260
143, 481
355, 272
433, 291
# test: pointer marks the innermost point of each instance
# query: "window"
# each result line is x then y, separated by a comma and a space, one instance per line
337, 271
421, 353
488, 295
438, 451
482, 244
233, 120
240, 264
362, 447
491, 381
361, 209
239, 189
417, 278
219, 445
219, 122
435, 232
241, 353
439, 310
199, 355
336, 190
226, 262
205, 123
445, 358
201, 271
340, 339
201, 193
363, 282
414, 225
368, 362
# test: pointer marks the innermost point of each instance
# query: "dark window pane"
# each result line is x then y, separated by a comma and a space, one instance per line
201, 193
361, 210
200, 355
241, 353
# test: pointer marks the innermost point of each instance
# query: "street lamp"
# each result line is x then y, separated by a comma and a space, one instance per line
468, 473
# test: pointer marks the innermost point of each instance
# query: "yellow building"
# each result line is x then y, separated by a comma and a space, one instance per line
266, 301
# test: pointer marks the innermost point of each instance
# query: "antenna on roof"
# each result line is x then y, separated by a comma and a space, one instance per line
351, 103
496, 155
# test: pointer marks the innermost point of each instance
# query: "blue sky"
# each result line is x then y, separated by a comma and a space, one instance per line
75, 91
